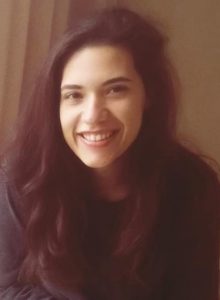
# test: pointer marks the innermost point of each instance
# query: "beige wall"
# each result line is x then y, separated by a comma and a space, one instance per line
29, 27
194, 30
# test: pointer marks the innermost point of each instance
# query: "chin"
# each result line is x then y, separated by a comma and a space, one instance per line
97, 164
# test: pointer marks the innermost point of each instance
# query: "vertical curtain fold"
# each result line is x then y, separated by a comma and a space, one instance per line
14, 16
27, 30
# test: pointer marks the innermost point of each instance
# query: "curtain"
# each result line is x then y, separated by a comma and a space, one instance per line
28, 28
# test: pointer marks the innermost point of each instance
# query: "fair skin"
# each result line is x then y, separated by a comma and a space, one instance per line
101, 109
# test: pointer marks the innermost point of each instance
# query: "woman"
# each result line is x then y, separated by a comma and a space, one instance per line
98, 198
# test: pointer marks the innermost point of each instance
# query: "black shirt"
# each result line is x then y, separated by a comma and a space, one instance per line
192, 272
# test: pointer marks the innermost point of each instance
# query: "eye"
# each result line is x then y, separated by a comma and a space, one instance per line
117, 90
74, 97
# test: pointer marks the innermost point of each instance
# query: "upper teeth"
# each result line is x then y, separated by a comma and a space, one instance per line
96, 137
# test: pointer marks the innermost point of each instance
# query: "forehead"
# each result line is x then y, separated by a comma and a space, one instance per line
98, 62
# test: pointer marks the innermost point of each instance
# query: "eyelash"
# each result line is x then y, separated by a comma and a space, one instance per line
117, 89
114, 91
73, 96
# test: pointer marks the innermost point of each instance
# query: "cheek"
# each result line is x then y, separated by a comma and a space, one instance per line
66, 121
66, 116
67, 125
133, 114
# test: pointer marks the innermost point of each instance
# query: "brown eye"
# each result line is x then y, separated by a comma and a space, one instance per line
74, 97
117, 90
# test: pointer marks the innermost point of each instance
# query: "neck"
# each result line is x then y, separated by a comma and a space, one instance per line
112, 182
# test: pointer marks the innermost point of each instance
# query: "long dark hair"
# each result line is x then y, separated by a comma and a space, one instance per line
51, 180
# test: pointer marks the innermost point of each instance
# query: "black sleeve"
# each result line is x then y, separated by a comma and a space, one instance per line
12, 253
196, 265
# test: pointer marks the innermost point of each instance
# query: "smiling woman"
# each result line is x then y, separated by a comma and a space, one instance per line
102, 200
102, 104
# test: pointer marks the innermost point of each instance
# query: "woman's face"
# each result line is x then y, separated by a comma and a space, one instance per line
102, 103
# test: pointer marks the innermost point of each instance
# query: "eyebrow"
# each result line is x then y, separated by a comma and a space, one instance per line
116, 79
107, 82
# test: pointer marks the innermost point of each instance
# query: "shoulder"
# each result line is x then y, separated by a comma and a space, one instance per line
190, 189
190, 210
190, 171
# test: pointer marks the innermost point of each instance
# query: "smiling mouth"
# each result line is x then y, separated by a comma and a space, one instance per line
97, 137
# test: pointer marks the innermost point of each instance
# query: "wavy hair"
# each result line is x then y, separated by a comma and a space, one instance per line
51, 179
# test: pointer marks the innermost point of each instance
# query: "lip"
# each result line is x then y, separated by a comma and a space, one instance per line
97, 131
100, 143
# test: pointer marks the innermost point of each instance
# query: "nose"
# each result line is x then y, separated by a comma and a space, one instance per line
94, 110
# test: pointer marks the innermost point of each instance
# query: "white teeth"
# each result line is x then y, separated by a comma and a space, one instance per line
92, 137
